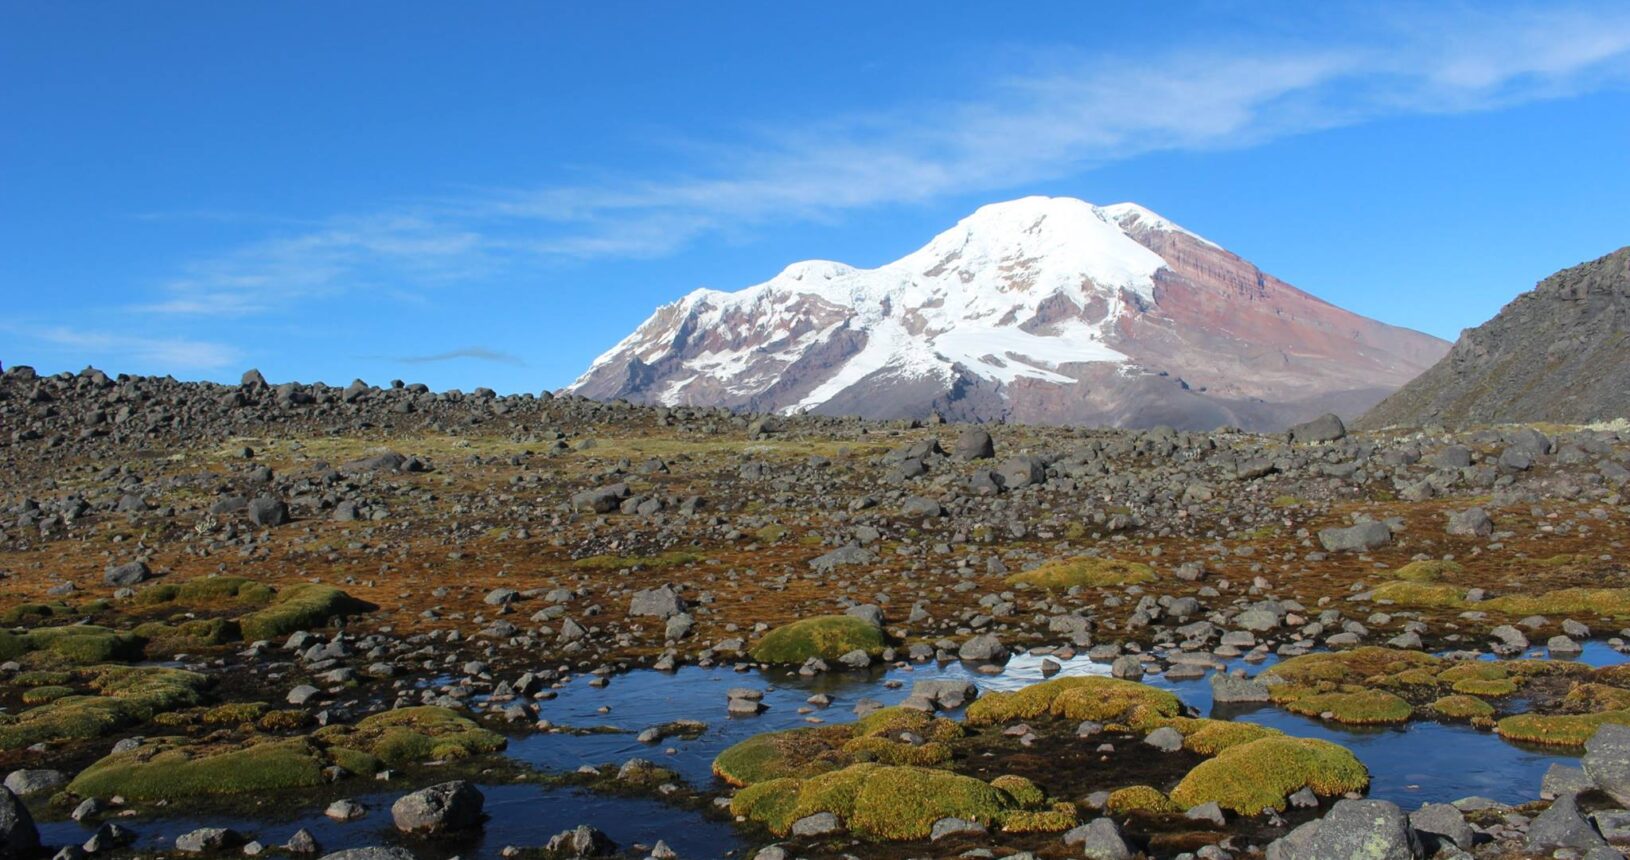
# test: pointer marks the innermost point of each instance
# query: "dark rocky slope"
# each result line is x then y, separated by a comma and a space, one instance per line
1560, 352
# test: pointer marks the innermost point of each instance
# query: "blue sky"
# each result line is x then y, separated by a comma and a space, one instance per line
495, 193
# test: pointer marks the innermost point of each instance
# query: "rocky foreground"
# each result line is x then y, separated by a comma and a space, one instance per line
228, 597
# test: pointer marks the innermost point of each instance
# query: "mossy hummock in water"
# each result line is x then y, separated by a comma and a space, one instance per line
1261, 775
1370, 664
414, 735
1462, 707
881, 802
809, 751
172, 769
1357, 707
1084, 572
300, 607
1560, 730
1105, 700
827, 637
124, 696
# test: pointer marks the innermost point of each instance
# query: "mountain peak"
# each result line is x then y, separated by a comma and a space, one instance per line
1040, 309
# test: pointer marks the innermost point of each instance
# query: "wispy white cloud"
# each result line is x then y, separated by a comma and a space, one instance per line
164, 352
477, 353
1022, 128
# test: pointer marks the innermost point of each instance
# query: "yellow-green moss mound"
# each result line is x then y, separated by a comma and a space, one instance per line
75, 643
1209, 737
1261, 775
1140, 798
1084, 572
827, 637
207, 591
1371, 664
1421, 594
1359, 707
169, 769
300, 607
1462, 707
1558, 730
414, 735
875, 801
115, 697
1429, 570
1105, 700
809, 751
1611, 602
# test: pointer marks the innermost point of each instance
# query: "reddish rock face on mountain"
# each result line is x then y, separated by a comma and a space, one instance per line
1040, 310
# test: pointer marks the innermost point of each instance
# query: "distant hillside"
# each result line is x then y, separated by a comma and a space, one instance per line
1560, 352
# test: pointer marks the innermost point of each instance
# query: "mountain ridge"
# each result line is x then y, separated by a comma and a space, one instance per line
1558, 352
1038, 309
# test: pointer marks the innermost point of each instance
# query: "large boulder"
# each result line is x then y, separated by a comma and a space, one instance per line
663, 602
1607, 761
268, 511
28, 782
1099, 839
127, 574
1362, 830
438, 809
1562, 826
19, 837
973, 443
1325, 428
984, 648
371, 853
1359, 538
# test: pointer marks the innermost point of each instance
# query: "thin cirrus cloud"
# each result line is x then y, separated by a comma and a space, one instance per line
1022, 128
157, 352
476, 353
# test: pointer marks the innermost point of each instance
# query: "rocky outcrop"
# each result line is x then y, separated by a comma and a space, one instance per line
1560, 352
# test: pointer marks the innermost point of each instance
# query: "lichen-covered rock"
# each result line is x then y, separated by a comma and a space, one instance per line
442, 808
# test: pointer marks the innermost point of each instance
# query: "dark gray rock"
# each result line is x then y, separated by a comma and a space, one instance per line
127, 574
1442, 822
1325, 428
1358, 538
1562, 826
1099, 839
19, 837
984, 648
440, 808
663, 602
208, 839
1607, 761
1363, 830
973, 443
268, 511
24, 783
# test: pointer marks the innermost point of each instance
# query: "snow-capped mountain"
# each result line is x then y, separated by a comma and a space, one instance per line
1044, 309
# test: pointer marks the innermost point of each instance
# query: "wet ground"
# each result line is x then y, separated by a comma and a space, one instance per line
1420, 762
